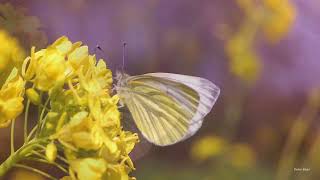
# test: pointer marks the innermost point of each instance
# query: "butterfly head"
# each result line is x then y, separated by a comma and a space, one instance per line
121, 79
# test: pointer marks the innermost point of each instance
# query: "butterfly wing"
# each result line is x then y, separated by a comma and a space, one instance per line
168, 108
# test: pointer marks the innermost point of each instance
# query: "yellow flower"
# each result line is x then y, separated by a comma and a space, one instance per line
127, 141
32, 63
78, 133
11, 100
244, 63
280, 15
106, 112
51, 69
121, 147
242, 156
89, 168
62, 45
83, 116
79, 57
97, 79
208, 147
271, 17
117, 173
103, 75
56, 64
11, 55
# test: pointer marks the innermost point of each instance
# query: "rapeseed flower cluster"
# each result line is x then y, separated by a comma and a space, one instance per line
79, 119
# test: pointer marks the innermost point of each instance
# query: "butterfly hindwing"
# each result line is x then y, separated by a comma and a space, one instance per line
143, 146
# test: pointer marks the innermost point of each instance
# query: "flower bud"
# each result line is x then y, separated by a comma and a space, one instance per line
51, 152
33, 96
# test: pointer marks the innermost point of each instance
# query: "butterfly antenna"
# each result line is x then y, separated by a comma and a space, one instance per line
97, 48
103, 53
123, 55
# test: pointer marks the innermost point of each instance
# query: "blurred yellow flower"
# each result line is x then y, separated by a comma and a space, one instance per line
271, 17
11, 100
11, 55
242, 156
244, 63
279, 17
208, 147
275, 17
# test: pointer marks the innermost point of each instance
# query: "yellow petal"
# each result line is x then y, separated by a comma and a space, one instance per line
89, 168
78, 57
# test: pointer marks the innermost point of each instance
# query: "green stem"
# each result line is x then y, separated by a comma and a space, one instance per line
62, 159
17, 156
6, 165
43, 119
25, 126
39, 116
50, 163
32, 132
12, 136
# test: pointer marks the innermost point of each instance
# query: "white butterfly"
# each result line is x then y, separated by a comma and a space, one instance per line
167, 108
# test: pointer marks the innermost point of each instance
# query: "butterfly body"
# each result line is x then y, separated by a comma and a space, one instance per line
167, 108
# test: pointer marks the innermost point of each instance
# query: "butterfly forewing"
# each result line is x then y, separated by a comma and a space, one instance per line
168, 108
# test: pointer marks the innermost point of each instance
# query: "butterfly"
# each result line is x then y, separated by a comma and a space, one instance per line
166, 108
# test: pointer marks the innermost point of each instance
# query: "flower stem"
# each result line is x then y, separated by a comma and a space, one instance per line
25, 126
12, 137
41, 119
6, 165
17, 156
39, 116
